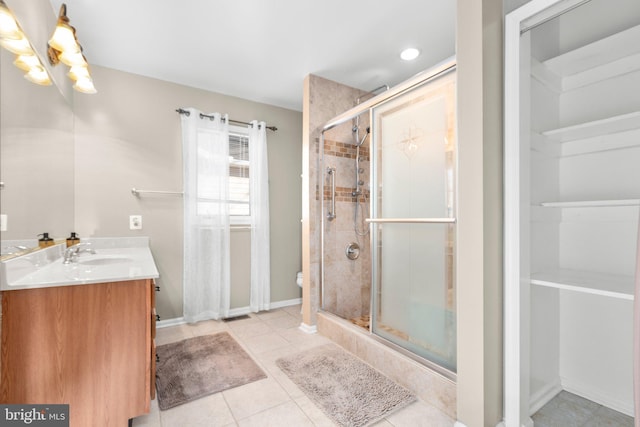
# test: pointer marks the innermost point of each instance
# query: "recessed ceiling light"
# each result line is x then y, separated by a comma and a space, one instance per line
409, 54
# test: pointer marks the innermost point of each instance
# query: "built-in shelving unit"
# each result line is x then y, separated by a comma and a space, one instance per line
591, 203
582, 128
608, 285
606, 58
564, 75
606, 126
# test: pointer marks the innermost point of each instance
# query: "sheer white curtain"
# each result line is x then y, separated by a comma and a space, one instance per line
206, 276
259, 196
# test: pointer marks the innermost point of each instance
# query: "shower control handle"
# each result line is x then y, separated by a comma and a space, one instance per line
352, 251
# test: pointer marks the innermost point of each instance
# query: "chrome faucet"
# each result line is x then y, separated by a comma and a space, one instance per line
72, 252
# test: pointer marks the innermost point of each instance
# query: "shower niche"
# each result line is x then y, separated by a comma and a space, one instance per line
389, 188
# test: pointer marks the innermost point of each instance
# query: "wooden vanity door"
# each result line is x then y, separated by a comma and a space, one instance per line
84, 345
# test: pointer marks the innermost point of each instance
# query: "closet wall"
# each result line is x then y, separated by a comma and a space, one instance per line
583, 194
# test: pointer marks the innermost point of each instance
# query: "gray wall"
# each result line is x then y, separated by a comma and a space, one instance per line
36, 156
128, 135
38, 194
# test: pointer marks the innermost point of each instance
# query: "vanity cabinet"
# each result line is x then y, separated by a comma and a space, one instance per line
89, 346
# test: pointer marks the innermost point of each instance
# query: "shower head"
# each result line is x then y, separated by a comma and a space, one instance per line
359, 143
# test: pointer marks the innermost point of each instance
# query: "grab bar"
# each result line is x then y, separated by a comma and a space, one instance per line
331, 215
411, 220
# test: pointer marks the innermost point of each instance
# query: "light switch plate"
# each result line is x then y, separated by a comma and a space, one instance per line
135, 222
3, 222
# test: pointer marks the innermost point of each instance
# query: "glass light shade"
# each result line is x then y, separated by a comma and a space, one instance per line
85, 86
64, 39
72, 59
78, 72
8, 25
17, 46
38, 75
27, 62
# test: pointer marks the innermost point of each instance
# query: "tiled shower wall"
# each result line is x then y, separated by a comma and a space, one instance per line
325, 100
347, 283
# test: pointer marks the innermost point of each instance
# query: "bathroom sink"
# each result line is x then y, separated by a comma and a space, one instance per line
115, 260
104, 260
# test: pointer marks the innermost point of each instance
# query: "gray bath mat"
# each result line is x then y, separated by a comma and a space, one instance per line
197, 367
348, 391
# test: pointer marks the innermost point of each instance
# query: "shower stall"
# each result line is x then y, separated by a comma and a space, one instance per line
388, 231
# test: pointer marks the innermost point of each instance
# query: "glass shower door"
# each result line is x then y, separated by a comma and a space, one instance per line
413, 216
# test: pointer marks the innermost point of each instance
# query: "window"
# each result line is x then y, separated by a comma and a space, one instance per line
239, 203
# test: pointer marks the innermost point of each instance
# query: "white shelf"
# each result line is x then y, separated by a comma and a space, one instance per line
606, 58
609, 285
593, 128
591, 203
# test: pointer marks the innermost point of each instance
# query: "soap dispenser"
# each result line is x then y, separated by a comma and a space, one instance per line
74, 239
45, 241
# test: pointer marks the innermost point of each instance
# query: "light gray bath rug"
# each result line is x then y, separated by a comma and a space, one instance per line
197, 367
348, 390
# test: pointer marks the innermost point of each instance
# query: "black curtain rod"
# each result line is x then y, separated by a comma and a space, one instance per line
202, 116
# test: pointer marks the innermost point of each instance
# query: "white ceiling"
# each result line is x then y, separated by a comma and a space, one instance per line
262, 49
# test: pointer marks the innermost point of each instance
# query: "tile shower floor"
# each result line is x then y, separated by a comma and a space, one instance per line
274, 401
570, 410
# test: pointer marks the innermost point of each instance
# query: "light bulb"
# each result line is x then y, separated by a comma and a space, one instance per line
27, 62
72, 59
8, 25
85, 86
409, 54
64, 39
17, 46
78, 72
38, 75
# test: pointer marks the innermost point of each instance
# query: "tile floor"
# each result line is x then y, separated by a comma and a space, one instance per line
274, 401
569, 410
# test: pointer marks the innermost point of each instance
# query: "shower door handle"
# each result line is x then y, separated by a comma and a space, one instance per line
331, 215
412, 220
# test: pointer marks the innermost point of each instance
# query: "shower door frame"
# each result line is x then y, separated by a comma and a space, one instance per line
420, 79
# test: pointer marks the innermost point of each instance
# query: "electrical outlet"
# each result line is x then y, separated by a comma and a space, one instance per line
3, 222
135, 222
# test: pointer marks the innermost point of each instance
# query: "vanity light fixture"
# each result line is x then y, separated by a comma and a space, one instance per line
64, 47
409, 54
14, 40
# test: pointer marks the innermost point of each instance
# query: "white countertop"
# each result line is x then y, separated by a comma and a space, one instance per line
115, 260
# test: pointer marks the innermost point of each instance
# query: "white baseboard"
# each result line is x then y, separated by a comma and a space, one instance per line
595, 394
240, 311
286, 303
527, 423
170, 322
234, 312
308, 329
543, 396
